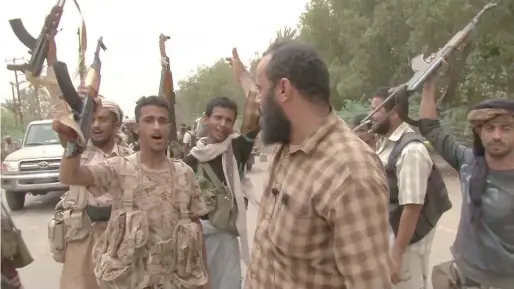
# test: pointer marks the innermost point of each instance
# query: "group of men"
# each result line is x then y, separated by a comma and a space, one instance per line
330, 215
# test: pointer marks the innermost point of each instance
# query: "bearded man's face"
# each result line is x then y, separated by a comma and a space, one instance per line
276, 127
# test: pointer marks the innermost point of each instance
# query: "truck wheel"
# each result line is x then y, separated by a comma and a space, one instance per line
15, 200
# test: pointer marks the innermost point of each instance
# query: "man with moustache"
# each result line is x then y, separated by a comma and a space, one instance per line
225, 152
74, 249
77, 272
154, 238
323, 214
417, 193
483, 255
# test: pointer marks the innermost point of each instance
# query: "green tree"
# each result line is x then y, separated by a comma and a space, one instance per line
368, 44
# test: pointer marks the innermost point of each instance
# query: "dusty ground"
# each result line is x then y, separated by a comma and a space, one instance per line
44, 272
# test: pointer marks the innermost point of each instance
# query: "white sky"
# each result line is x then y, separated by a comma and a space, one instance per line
201, 32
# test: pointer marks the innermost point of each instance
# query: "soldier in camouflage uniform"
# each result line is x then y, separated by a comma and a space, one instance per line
73, 229
154, 237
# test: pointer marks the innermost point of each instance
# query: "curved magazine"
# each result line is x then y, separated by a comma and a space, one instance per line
22, 33
69, 93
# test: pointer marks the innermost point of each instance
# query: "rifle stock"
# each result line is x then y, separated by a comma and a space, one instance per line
167, 91
81, 103
423, 69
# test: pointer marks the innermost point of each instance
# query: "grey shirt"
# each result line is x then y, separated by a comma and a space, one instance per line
483, 251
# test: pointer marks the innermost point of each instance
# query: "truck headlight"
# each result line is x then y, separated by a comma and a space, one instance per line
10, 167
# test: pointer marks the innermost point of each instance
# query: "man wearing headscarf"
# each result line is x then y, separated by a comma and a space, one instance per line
78, 221
483, 255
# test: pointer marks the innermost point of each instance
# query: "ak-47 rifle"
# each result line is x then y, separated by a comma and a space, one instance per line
167, 91
424, 68
81, 102
38, 48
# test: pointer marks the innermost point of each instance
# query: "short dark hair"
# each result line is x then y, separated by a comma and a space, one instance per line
150, 100
223, 102
383, 93
303, 66
357, 120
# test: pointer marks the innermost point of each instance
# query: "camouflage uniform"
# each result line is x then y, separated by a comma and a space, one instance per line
150, 240
80, 234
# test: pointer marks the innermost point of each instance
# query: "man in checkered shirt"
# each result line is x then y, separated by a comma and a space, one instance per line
323, 220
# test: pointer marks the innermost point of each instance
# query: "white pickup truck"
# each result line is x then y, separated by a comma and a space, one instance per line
34, 168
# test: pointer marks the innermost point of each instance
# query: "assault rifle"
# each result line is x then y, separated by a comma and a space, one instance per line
424, 68
81, 103
167, 91
38, 47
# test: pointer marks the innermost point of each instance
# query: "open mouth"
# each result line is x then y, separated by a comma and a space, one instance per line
157, 137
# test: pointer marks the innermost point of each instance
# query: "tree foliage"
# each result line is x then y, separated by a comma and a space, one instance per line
368, 44
33, 102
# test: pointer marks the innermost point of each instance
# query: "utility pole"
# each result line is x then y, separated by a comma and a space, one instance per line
13, 60
14, 103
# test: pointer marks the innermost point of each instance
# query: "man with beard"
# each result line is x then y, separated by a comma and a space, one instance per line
483, 249
221, 157
323, 214
154, 238
417, 193
77, 272
74, 248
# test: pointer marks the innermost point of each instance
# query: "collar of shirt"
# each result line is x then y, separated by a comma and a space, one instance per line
113, 153
394, 137
310, 143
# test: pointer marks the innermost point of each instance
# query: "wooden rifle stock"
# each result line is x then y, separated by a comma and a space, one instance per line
425, 68
81, 102
167, 91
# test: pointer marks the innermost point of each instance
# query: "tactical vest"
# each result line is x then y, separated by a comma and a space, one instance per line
436, 201
129, 255
71, 221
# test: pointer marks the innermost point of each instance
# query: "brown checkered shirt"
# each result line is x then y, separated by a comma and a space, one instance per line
323, 220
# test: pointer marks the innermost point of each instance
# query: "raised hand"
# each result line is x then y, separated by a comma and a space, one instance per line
237, 65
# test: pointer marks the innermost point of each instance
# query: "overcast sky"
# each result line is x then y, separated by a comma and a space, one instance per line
201, 32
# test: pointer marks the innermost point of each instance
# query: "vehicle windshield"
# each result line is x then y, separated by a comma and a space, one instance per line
40, 134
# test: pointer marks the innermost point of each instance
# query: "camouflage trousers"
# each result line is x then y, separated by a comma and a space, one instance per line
447, 276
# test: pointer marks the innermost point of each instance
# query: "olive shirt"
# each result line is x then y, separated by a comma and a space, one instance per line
242, 147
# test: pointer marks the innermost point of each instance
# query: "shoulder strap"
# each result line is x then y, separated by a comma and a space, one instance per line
404, 140
178, 168
206, 167
132, 163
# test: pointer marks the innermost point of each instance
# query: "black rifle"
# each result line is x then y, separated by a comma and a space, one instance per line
38, 48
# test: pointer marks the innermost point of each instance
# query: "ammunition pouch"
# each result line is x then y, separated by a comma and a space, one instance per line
119, 253
128, 255
219, 199
56, 237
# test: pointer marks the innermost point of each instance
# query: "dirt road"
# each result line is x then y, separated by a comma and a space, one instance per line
44, 272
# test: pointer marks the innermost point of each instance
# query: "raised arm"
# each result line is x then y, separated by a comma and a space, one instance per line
251, 114
430, 127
